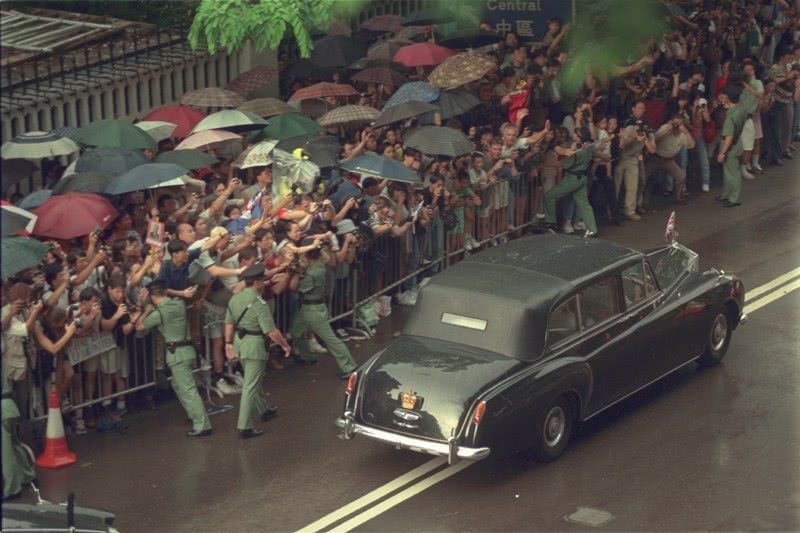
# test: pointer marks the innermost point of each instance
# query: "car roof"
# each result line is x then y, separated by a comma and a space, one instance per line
571, 260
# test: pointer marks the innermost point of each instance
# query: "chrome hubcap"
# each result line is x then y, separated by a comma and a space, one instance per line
719, 331
554, 424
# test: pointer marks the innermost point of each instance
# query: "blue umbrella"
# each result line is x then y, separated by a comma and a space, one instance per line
148, 176
35, 199
381, 167
413, 91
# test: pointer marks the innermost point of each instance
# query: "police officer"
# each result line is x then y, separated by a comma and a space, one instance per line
313, 315
731, 149
247, 320
169, 315
575, 182
17, 463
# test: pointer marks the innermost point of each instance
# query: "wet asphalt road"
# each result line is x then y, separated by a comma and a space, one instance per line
716, 449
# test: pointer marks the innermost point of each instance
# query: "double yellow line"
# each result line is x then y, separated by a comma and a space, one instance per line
362, 512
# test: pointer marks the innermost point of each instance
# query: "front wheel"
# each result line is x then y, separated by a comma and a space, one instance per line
553, 430
719, 337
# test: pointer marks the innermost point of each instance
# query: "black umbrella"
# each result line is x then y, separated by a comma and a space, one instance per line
403, 111
336, 51
90, 182
469, 39
323, 150
455, 102
112, 160
190, 158
438, 140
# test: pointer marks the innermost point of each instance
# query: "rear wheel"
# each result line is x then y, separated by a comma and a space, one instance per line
719, 336
553, 430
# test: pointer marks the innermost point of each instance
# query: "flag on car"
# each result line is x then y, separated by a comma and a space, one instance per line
670, 235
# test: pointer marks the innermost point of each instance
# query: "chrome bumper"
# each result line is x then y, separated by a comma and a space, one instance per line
450, 449
743, 318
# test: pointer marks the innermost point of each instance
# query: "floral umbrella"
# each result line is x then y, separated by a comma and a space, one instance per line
257, 155
461, 69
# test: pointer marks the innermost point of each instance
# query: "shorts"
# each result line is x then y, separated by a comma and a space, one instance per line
500, 195
214, 320
757, 125
748, 135
123, 367
108, 363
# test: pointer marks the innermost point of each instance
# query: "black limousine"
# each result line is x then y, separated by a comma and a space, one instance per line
512, 347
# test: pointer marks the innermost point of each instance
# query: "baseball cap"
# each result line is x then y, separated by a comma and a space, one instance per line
345, 226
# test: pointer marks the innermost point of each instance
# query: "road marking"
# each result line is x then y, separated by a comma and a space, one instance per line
780, 280
400, 497
373, 496
755, 303
771, 297
586, 516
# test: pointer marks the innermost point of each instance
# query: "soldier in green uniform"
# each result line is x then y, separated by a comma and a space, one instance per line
313, 315
731, 149
247, 320
17, 463
574, 182
169, 316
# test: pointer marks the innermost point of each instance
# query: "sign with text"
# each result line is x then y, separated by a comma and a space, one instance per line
80, 349
527, 18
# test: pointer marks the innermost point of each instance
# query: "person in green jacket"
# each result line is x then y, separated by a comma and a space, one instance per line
247, 320
731, 147
169, 316
575, 182
313, 315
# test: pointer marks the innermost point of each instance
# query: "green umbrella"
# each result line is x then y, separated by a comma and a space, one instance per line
190, 158
115, 134
91, 182
288, 125
20, 253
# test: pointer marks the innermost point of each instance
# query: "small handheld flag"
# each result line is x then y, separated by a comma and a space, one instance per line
671, 234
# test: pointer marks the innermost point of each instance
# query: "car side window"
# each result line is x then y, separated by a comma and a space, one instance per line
634, 286
599, 302
650, 280
563, 322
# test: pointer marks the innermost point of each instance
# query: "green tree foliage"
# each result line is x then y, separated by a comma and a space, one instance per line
229, 24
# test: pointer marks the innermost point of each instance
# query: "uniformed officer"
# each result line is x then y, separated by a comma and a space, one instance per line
731, 149
18, 467
313, 315
247, 320
574, 182
169, 315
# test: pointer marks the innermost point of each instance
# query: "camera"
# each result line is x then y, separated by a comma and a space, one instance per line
78, 322
642, 128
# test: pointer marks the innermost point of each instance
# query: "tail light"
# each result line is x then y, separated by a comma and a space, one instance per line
479, 411
351, 384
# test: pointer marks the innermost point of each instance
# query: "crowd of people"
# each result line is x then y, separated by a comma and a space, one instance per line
240, 261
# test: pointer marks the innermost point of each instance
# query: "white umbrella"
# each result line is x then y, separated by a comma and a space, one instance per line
234, 120
157, 129
208, 139
257, 155
37, 145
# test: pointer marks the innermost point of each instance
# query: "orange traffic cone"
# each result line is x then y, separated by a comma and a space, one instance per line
56, 453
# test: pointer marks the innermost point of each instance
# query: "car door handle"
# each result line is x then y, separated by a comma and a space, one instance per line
629, 316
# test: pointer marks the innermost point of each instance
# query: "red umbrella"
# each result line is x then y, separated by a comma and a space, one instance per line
71, 215
321, 90
184, 116
422, 55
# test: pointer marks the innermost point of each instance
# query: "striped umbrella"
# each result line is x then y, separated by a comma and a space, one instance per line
438, 140
234, 120
386, 50
461, 69
383, 23
324, 89
38, 145
204, 140
267, 107
250, 80
381, 76
69, 133
422, 55
212, 97
348, 115
158, 130
414, 91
